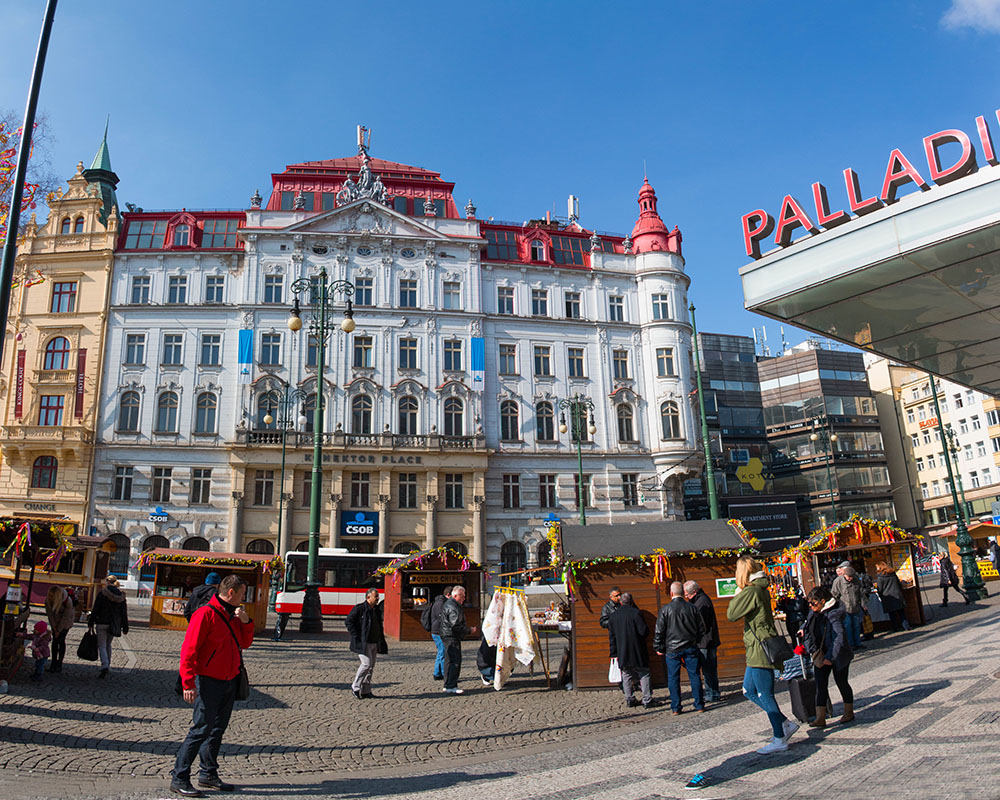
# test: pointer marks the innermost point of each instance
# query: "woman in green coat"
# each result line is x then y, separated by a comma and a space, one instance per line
752, 604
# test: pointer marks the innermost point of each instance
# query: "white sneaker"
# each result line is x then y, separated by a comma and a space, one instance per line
454, 691
485, 681
789, 727
773, 746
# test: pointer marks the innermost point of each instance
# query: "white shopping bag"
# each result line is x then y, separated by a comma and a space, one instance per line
614, 674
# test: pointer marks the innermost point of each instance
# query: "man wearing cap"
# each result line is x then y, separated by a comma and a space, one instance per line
847, 590
202, 594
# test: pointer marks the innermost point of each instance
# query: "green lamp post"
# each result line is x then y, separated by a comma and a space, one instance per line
826, 438
713, 498
579, 408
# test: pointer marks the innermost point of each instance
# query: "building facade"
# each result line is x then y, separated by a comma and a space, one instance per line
52, 377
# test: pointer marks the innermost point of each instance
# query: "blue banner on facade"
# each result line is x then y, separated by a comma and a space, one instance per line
246, 346
359, 523
478, 359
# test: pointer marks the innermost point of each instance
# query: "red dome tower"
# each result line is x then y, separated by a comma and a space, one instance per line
649, 233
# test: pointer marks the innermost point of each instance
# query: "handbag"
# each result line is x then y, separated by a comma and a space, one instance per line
88, 647
776, 648
867, 626
242, 679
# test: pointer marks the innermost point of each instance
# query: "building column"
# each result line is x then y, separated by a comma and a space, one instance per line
284, 542
478, 537
383, 524
333, 537
430, 534
235, 523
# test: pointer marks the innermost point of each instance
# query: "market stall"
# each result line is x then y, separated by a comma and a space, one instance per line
982, 533
413, 581
863, 542
178, 572
643, 559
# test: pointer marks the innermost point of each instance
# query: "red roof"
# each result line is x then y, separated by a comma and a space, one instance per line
353, 163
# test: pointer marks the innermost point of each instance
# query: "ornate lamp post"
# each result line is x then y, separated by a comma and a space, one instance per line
579, 407
322, 295
952, 438
289, 397
826, 438
713, 498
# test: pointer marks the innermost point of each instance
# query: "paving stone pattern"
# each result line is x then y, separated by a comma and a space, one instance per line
928, 704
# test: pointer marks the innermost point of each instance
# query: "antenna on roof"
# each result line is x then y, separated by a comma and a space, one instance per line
784, 341
767, 348
573, 208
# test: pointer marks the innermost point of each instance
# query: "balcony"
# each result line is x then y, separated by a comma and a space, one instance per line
22, 441
387, 442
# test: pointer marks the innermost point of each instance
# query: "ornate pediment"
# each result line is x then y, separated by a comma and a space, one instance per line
365, 218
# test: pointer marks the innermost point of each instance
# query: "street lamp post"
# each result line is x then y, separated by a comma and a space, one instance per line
971, 579
578, 407
713, 498
322, 295
952, 439
287, 400
826, 438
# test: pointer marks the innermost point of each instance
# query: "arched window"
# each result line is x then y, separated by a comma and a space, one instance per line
151, 543
128, 413
182, 235
408, 415
119, 563
166, 413
195, 543
405, 548
261, 547
361, 414
309, 412
458, 547
57, 354
513, 558
43, 473
510, 430
545, 422
670, 420
544, 553
302, 547
537, 250
626, 433
64, 229
454, 412
206, 413
267, 403
78, 225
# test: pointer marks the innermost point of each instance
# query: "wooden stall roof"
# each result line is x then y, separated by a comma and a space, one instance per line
443, 554
642, 538
41, 533
977, 530
207, 557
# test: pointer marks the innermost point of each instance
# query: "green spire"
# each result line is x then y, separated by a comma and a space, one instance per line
103, 158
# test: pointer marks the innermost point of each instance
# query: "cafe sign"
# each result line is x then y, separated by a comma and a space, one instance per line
949, 154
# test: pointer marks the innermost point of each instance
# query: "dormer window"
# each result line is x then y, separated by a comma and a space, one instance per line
182, 235
537, 250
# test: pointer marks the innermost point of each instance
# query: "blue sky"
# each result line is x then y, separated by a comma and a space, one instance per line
730, 105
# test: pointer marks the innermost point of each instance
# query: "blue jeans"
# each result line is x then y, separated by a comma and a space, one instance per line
852, 628
758, 686
439, 658
691, 659
212, 709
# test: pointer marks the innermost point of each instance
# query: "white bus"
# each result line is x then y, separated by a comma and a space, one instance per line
343, 578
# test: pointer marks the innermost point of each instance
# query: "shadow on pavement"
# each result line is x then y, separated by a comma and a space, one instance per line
359, 788
65, 713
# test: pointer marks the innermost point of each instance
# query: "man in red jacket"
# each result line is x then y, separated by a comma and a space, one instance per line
210, 664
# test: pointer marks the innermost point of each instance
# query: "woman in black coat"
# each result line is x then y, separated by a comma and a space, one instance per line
890, 590
827, 643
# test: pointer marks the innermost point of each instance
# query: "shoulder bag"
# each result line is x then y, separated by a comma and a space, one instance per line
776, 648
88, 647
242, 679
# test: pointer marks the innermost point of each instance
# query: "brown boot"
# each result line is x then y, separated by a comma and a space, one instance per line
820, 721
848, 713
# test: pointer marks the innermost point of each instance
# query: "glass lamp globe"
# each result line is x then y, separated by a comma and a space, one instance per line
347, 325
563, 428
268, 419
813, 436
295, 323
592, 429
303, 420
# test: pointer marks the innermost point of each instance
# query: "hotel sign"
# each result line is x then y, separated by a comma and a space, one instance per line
928, 423
942, 168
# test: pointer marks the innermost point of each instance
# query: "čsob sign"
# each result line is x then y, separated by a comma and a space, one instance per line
361, 523
899, 171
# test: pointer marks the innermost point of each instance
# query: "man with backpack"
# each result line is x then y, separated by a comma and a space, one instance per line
200, 595
431, 620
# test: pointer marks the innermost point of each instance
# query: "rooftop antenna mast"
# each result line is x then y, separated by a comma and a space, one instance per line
767, 348
784, 341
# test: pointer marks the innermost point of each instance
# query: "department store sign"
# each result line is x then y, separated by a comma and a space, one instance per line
949, 155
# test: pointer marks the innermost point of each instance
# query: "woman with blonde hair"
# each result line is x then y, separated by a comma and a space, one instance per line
61, 613
752, 604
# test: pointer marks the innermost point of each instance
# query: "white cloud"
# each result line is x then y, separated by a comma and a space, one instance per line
980, 15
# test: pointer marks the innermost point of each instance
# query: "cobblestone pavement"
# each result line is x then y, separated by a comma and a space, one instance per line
927, 701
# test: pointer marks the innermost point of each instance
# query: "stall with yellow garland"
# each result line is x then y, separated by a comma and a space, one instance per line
178, 572
863, 542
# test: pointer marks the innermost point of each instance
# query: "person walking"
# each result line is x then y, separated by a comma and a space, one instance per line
435, 628
847, 589
364, 624
202, 594
61, 614
453, 630
211, 661
994, 551
949, 579
709, 643
752, 604
890, 592
826, 640
679, 630
627, 633
109, 620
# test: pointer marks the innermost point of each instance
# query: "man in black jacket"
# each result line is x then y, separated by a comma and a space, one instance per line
709, 643
627, 632
364, 623
610, 607
200, 595
453, 630
679, 629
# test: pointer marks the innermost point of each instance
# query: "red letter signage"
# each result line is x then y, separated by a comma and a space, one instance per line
897, 172
965, 164
791, 217
756, 225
